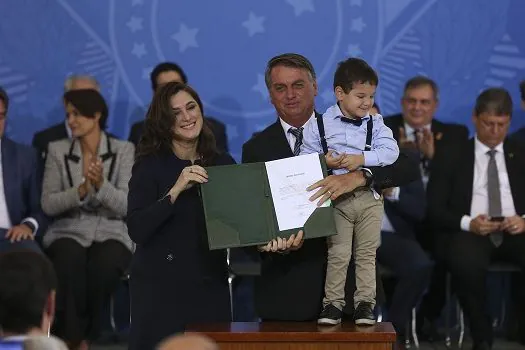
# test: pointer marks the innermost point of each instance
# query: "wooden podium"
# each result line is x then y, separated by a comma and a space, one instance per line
297, 335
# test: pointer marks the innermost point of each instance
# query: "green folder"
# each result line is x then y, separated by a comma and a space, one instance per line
239, 210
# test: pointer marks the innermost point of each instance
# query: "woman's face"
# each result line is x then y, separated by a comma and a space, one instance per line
80, 125
188, 117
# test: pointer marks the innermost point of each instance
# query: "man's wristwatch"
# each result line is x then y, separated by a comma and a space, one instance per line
369, 178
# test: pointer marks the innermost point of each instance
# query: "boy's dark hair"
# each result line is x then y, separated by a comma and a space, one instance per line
166, 67
4, 98
420, 80
354, 70
292, 60
88, 102
522, 90
496, 101
26, 280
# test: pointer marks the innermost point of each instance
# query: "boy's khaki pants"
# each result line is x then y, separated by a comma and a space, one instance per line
358, 215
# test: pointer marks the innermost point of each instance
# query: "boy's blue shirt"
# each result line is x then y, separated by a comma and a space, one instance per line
344, 137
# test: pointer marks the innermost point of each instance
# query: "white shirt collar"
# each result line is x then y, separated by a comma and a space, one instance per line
481, 148
287, 126
410, 130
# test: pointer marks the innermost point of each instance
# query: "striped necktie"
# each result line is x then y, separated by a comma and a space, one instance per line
298, 133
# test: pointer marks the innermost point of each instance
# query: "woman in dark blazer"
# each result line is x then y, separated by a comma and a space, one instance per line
85, 192
175, 278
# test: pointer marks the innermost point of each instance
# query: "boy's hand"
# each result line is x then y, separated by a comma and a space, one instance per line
333, 161
352, 161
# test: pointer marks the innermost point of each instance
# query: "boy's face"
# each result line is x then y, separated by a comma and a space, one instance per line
358, 101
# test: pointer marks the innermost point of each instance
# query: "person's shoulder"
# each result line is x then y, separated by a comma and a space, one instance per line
451, 127
138, 125
515, 146
149, 165
58, 146
121, 145
50, 131
223, 159
22, 150
266, 135
377, 118
393, 119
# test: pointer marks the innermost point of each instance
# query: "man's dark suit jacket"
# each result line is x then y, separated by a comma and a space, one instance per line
450, 188
22, 183
446, 136
291, 286
406, 213
43, 138
519, 136
217, 127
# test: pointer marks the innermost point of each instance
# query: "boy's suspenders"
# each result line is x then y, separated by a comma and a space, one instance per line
320, 126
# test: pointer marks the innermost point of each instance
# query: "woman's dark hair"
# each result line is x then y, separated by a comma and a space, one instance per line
88, 102
158, 127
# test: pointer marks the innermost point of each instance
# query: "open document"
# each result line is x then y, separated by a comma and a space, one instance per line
288, 180
251, 204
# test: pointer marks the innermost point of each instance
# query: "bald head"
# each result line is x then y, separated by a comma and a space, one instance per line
188, 342
81, 82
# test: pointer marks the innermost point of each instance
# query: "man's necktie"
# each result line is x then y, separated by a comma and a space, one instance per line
418, 133
356, 121
494, 194
298, 133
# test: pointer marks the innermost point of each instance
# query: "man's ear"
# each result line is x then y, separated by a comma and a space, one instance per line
49, 308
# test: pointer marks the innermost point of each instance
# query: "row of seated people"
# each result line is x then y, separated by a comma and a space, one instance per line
85, 185
83, 197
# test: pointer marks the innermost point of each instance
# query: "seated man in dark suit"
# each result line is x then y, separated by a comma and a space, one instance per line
171, 72
21, 217
478, 203
400, 252
416, 128
61, 130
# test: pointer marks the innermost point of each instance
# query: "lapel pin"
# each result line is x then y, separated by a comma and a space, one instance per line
439, 136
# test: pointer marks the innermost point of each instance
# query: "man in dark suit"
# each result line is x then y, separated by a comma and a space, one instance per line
401, 253
478, 202
61, 130
417, 129
291, 283
21, 217
171, 72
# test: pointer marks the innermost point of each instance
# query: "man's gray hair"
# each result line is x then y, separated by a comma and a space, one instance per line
292, 60
70, 81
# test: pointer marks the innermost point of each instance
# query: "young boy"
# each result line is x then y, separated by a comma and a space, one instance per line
359, 213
